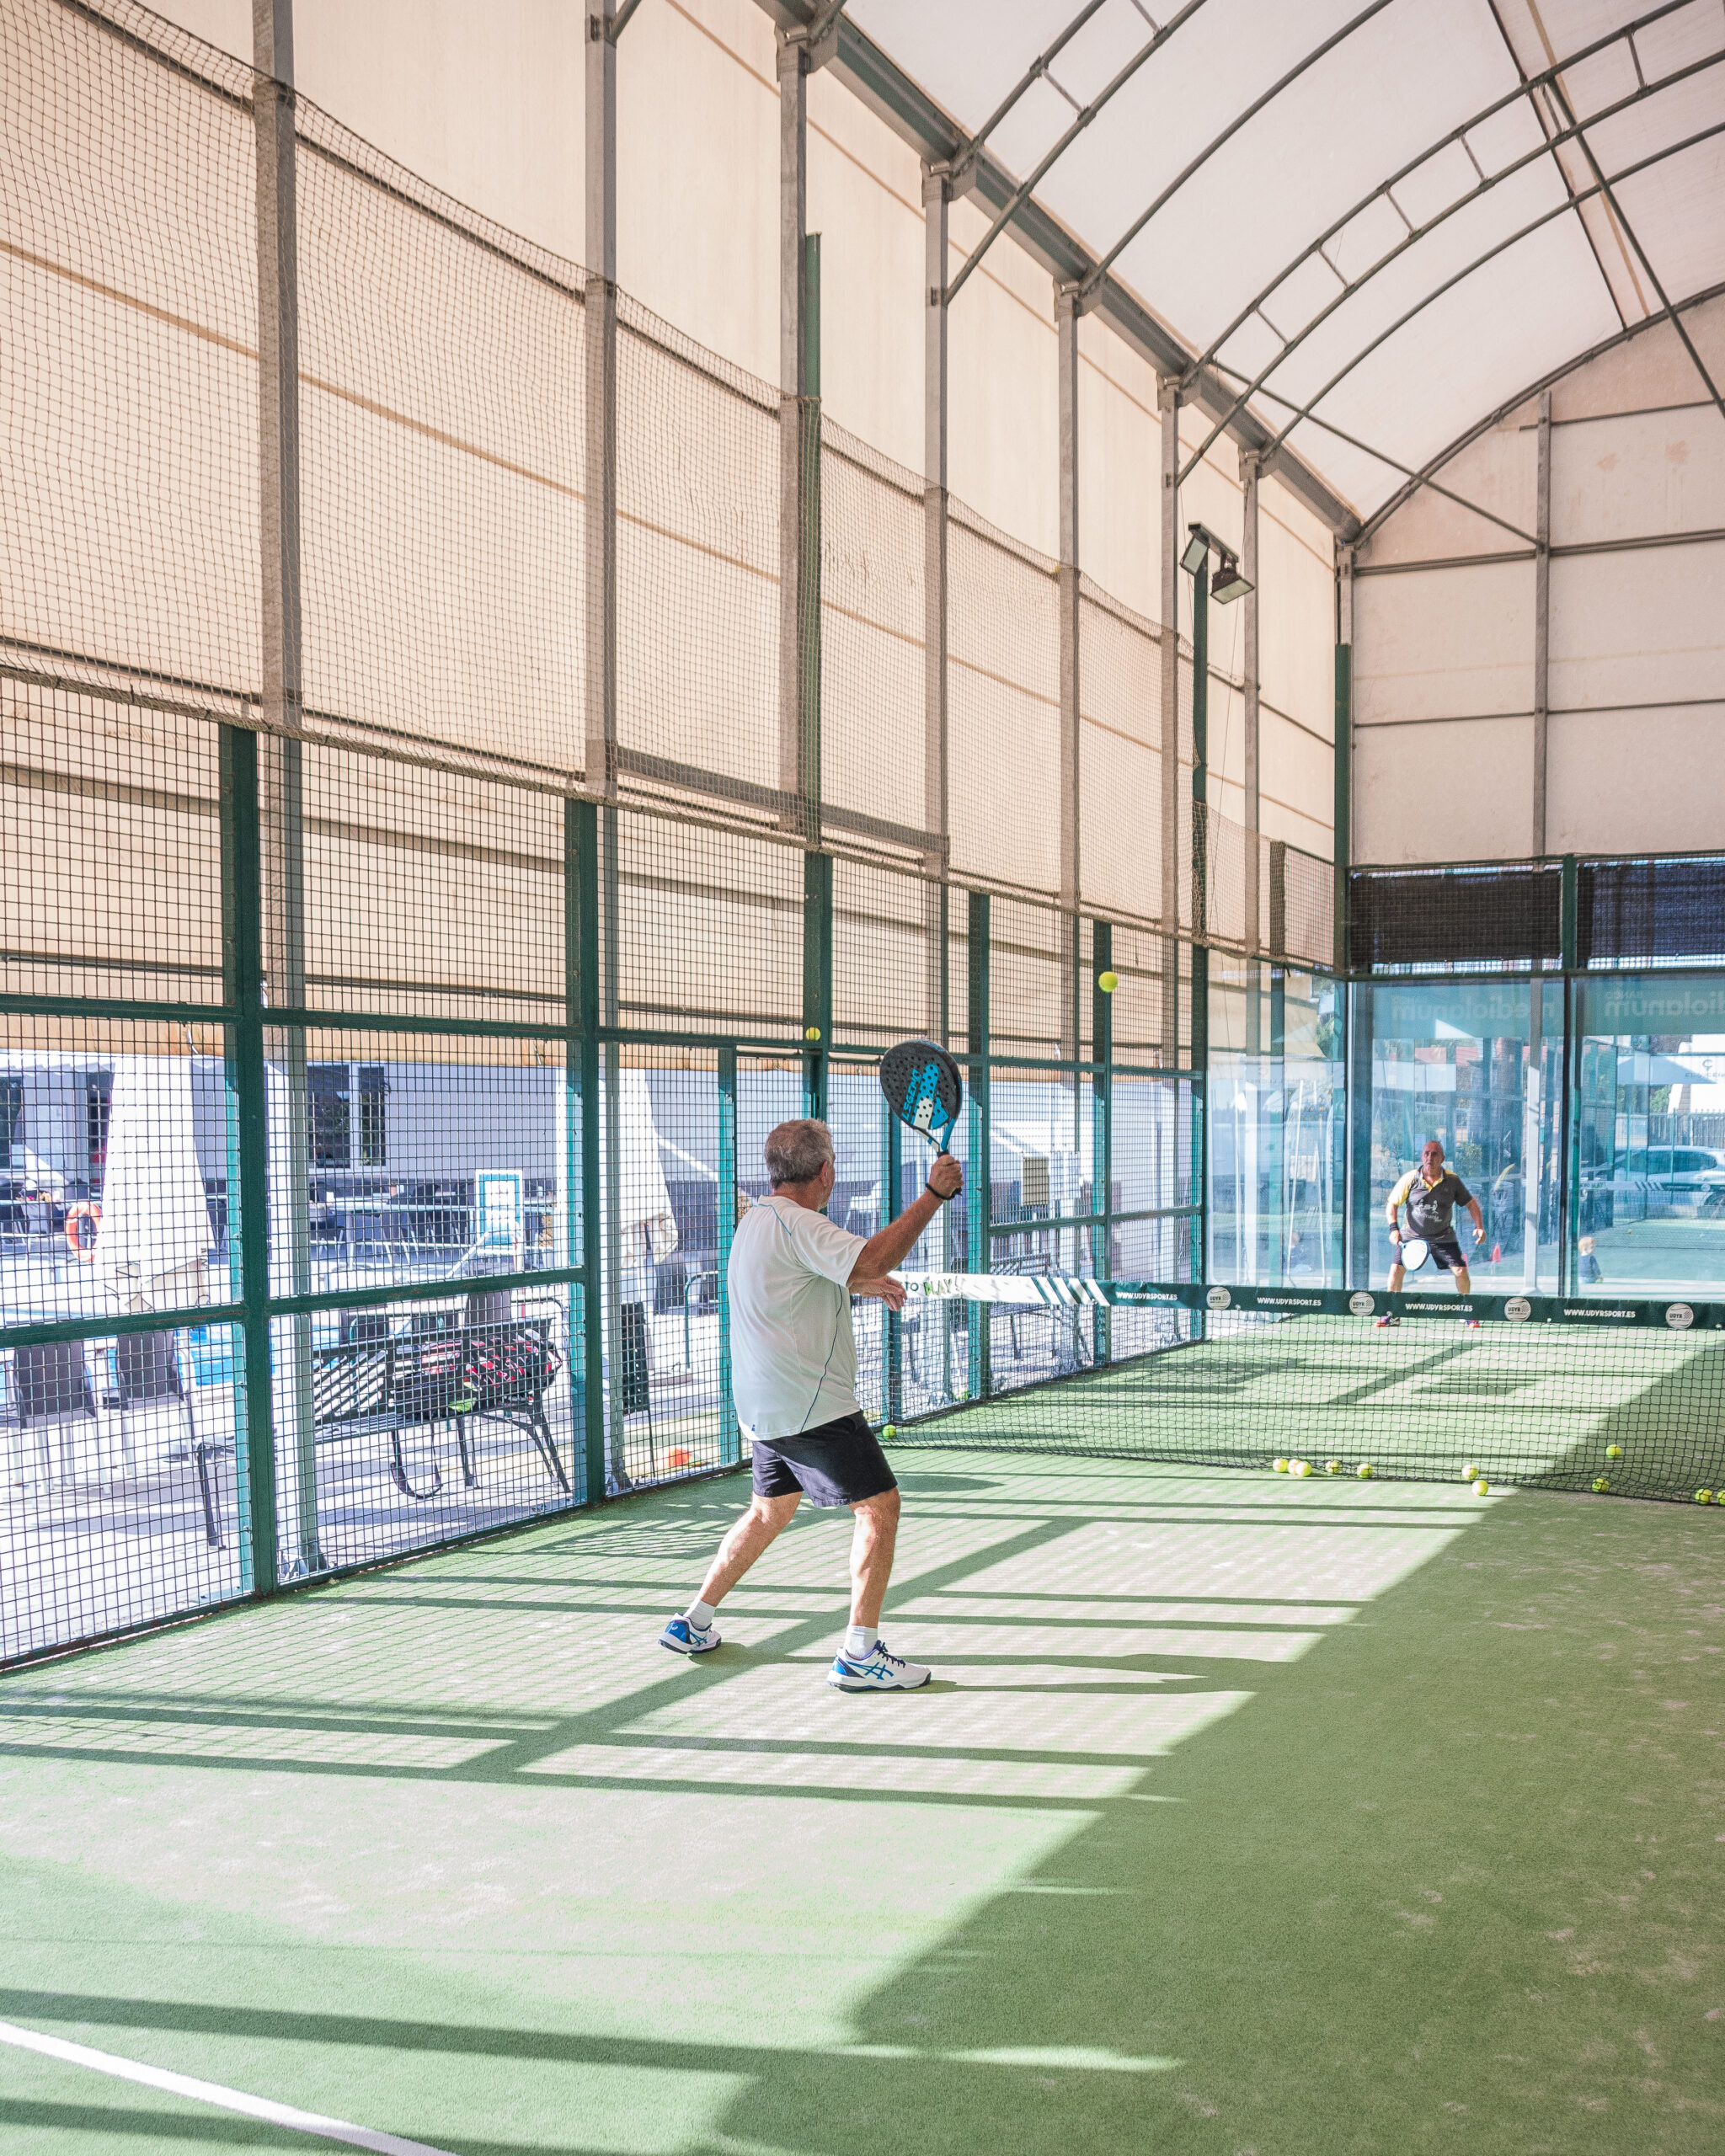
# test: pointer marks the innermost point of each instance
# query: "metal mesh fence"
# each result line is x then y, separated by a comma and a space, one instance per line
438, 859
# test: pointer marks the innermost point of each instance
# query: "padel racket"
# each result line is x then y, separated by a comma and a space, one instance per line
923, 1089
1413, 1254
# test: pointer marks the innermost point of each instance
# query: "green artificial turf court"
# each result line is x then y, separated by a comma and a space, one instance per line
1247, 1817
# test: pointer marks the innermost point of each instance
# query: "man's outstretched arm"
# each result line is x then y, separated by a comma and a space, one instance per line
890, 1246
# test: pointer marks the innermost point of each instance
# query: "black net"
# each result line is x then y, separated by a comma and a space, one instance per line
1638, 912
1400, 917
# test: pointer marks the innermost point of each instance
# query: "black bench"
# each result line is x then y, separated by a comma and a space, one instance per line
455, 1372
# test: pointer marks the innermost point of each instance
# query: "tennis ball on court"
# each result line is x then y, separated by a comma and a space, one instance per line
1301, 1468
1601, 1484
890, 1430
1482, 1488
1107, 982
1704, 1497
1332, 1467
1613, 1452
1470, 1473
1365, 1470
1280, 1467
811, 1032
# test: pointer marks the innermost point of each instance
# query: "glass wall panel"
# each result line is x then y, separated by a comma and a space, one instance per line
1648, 1161
1276, 1126
1452, 1060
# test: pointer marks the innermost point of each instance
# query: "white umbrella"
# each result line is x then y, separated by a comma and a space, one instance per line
153, 1249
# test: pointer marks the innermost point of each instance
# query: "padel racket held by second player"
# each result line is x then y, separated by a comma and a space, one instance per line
1413, 1254
923, 1089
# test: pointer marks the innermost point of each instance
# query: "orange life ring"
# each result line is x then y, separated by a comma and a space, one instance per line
76, 1216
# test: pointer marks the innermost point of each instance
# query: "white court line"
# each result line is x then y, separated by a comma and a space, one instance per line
211, 2092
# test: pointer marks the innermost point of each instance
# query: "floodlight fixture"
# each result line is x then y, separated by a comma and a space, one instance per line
1197, 550
1228, 584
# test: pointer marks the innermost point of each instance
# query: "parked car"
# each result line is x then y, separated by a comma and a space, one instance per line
1685, 1175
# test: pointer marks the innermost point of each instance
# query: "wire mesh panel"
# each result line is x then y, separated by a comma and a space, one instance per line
121, 1467
442, 463
697, 573
425, 892
708, 934
129, 549
1120, 759
1003, 710
872, 748
887, 950
111, 881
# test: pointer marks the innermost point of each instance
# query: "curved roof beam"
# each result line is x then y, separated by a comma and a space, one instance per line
1308, 410
1623, 224
1467, 270
1022, 194
1573, 133
1382, 456
1471, 433
1233, 127
1033, 73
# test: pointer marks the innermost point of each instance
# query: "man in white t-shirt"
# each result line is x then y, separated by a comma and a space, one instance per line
793, 1362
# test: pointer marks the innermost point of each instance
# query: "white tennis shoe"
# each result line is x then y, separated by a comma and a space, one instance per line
878, 1671
682, 1638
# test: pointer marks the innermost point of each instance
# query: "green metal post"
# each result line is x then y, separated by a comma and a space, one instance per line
730, 1441
581, 903
1569, 1133
809, 540
979, 1182
1200, 916
249, 1155
1343, 759
1102, 1123
891, 1178
817, 981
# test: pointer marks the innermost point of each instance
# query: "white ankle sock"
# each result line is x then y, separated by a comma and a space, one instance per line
701, 1615
859, 1642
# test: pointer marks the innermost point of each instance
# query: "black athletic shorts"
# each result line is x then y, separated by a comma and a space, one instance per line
837, 1463
1445, 1253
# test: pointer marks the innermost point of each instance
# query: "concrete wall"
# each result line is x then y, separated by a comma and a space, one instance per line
1445, 628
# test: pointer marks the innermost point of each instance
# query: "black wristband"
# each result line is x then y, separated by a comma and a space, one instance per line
933, 1193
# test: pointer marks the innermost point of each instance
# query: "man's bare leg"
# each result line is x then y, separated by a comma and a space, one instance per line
871, 1542
749, 1537
1464, 1286
1398, 1273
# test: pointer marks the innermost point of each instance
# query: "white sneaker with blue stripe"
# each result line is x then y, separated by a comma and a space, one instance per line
682, 1638
879, 1671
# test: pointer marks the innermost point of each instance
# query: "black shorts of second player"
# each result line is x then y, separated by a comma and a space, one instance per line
1445, 1253
837, 1463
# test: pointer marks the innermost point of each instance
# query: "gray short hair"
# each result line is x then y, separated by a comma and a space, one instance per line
797, 1151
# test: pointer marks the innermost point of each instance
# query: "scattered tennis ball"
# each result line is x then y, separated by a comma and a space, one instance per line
1704, 1497
1613, 1452
811, 1032
890, 1430
1280, 1467
1601, 1484
1482, 1488
1332, 1467
1107, 982
1470, 1473
1365, 1470
1301, 1468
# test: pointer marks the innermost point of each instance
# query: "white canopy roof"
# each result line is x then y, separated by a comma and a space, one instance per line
1377, 222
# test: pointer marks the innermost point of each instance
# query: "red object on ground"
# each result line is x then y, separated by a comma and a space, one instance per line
1497, 1253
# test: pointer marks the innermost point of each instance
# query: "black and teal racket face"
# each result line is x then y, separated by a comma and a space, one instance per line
923, 1089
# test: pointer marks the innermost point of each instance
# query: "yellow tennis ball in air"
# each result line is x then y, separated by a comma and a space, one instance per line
1613, 1452
1365, 1470
1107, 982
811, 1032
1601, 1484
1280, 1467
1482, 1488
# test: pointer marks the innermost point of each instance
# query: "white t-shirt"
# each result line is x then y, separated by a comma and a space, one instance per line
793, 1355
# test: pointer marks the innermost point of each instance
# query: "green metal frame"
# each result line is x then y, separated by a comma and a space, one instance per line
980, 1179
